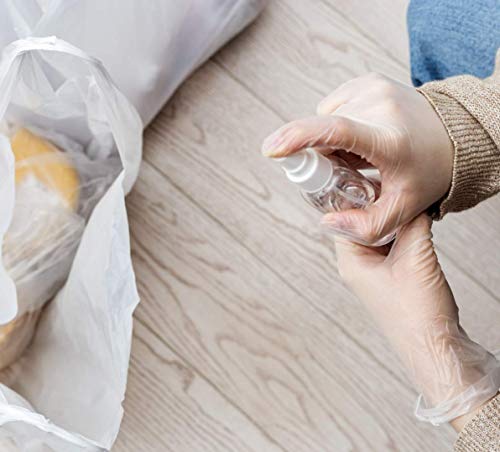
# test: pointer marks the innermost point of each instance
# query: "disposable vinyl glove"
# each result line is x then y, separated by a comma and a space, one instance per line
407, 293
375, 121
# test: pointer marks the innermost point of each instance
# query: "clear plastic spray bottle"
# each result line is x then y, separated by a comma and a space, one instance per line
329, 185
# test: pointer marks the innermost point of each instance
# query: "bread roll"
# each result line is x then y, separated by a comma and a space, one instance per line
44, 233
38, 158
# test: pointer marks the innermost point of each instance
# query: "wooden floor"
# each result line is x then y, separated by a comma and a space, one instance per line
245, 339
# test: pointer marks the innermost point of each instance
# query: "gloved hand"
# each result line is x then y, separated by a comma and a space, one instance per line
407, 293
376, 121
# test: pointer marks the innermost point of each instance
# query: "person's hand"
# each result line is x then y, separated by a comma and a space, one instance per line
407, 293
376, 121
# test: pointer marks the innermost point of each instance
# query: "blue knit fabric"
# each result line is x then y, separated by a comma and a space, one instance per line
452, 37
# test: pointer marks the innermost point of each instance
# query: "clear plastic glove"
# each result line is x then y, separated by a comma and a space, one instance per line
406, 291
373, 121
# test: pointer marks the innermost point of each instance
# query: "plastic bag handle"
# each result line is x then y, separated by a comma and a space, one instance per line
124, 120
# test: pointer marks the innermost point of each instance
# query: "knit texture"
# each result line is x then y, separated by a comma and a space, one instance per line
470, 110
482, 432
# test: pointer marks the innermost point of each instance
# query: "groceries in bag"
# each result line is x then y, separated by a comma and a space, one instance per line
54, 194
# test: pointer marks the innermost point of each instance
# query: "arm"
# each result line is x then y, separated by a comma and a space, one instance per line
470, 110
406, 292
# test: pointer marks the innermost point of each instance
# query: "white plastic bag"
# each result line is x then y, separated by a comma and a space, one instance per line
75, 370
148, 47
65, 393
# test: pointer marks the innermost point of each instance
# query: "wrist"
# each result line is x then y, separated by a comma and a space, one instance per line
463, 404
476, 158
441, 142
455, 376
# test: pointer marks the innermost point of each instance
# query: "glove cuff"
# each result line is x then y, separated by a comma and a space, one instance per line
473, 397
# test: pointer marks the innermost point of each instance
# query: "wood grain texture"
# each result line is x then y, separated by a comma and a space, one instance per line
245, 339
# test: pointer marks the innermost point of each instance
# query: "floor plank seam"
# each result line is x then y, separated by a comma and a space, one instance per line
211, 384
404, 384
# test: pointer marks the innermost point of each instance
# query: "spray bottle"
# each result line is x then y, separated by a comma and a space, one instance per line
329, 185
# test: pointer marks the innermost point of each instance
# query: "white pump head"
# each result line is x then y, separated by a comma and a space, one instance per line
308, 169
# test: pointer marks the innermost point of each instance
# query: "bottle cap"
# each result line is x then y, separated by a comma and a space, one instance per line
308, 169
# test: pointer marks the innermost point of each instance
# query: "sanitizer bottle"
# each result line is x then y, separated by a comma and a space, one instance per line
329, 185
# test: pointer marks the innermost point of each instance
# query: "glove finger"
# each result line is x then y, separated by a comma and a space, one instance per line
339, 132
372, 224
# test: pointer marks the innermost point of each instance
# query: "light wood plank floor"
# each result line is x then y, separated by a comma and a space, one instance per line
245, 339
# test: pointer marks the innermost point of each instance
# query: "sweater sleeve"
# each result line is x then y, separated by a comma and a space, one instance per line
470, 110
482, 432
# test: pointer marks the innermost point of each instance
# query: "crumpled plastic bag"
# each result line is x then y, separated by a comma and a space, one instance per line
74, 373
66, 391
148, 48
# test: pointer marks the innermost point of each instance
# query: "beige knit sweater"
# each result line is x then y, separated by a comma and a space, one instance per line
470, 110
